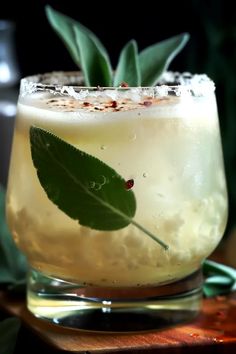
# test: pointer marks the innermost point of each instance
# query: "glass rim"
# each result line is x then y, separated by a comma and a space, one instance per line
70, 83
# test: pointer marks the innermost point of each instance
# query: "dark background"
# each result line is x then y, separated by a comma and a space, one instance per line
211, 49
212, 25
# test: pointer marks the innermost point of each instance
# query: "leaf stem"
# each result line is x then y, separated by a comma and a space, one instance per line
156, 239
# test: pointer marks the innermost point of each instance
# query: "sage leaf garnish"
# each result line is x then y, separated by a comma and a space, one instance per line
82, 186
68, 30
63, 26
90, 55
128, 66
13, 265
93, 62
154, 60
220, 279
9, 329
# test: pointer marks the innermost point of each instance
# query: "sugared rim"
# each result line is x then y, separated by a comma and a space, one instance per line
70, 84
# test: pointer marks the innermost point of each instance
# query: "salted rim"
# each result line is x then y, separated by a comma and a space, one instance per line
170, 84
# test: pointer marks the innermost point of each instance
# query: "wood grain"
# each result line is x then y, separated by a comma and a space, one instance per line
215, 329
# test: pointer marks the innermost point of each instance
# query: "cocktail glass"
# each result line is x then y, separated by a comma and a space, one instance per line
165, 142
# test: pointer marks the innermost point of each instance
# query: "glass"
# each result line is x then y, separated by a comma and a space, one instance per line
165, 142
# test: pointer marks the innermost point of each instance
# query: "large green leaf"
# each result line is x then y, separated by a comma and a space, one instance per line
9, 329
82, 186
128, 66
94, 63
154, 60
13, 265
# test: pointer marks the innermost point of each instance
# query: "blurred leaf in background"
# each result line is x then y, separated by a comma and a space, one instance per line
213, 51
13, 265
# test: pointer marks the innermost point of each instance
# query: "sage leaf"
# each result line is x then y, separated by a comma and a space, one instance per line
82, 186
90, 55
63, 26
128, 66
94, 63
219, 278
13, 264
9, 329
154, 60
66, 28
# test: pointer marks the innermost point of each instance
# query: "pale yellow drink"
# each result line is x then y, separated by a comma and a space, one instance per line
169, 146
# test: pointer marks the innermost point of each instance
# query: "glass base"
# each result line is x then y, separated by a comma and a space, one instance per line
113, 309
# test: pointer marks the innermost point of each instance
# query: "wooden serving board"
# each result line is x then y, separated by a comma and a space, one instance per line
215, 329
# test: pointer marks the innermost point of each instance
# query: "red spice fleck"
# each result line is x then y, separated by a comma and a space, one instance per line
194, 335
220, 298
113, 104
218, 340
129, 184
221, 315
147, 103
124, 84
217, 324
86, 104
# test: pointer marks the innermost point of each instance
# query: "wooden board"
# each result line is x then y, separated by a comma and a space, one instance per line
215, 329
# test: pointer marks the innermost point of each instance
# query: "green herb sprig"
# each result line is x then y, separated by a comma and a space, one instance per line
82, 186
90, 55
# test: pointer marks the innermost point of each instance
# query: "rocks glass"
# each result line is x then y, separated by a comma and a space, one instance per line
165, 142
